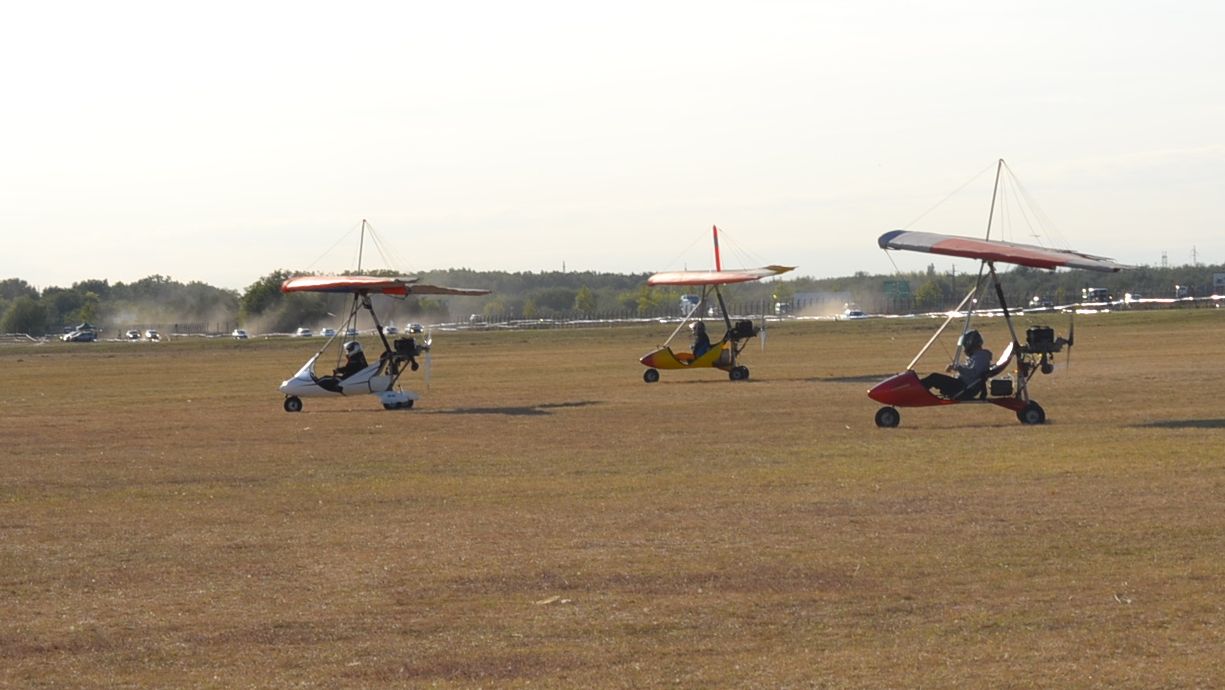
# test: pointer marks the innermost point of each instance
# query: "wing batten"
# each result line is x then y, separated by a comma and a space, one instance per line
995, 250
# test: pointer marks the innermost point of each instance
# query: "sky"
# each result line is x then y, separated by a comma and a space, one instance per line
220, 141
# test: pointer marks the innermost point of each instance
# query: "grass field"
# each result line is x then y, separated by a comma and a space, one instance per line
544, 518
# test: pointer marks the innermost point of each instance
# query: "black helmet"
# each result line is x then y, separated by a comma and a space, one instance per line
970, 340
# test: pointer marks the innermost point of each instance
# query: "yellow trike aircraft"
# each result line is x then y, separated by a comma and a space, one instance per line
724, 353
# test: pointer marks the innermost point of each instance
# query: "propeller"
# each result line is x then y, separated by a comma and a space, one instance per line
429, 356
1071, 340
762, 333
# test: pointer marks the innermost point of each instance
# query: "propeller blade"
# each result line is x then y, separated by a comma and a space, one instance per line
762, 333
1067, 364
429, 356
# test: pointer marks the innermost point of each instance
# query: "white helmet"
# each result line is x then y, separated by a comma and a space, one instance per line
352, 347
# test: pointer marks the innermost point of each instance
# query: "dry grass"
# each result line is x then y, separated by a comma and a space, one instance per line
544, 518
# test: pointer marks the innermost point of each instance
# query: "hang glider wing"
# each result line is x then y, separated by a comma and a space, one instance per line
403, 285
994, 250
423, 289
716, 277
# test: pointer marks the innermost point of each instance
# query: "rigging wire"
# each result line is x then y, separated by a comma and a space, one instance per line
950, 195
1045, 223
311, 265
745, 257
672, 263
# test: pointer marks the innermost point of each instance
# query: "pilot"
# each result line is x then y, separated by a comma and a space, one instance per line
355, 361
701, 341
969, 375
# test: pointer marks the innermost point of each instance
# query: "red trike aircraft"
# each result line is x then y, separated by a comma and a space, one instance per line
1036, 354
723, 354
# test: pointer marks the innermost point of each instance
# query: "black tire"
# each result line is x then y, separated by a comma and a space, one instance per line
407, 404
888, 417
650, 375
293, 403
738, 373
1032, 414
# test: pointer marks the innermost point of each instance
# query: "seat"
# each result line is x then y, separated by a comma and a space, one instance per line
979, 388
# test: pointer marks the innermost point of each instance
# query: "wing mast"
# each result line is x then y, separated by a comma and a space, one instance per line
995, 190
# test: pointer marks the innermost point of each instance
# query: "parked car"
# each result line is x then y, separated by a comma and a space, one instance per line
327, 332
79, 337
415, 328
152, 334
303, 333
390, 329
132, 334
239, 334
350, 332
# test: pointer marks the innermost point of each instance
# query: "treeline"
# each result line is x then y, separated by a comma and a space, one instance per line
161, 301
932, 291
156, 299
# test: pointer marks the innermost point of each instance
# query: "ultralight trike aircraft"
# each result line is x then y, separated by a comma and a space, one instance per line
380, 377
1035, 354
359, 376
725, 353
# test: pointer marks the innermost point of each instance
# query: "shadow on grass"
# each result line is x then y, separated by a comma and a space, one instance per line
521, 410
1184, 424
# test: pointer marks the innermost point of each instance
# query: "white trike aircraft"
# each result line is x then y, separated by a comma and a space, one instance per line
358, 377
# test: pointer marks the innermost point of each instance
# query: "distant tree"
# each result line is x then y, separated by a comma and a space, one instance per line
929, 296
262, 295
529, 309
585, 300
61, 304
25, 315
12, 288
494, 309
554, 300
88, 311
101, 288
648, 300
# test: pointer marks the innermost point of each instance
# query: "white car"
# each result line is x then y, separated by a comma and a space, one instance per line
327, 332
152, 334
132, 335
390, 329
415, 328
239, 334
303, 333
350, 332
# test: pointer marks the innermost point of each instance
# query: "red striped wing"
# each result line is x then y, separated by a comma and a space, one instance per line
405, 285
994, 250
716, 277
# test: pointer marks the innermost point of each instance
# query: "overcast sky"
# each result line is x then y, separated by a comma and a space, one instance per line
219, 141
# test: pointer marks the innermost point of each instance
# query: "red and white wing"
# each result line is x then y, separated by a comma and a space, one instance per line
995, 250
423, 289
404, 285
716, 277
